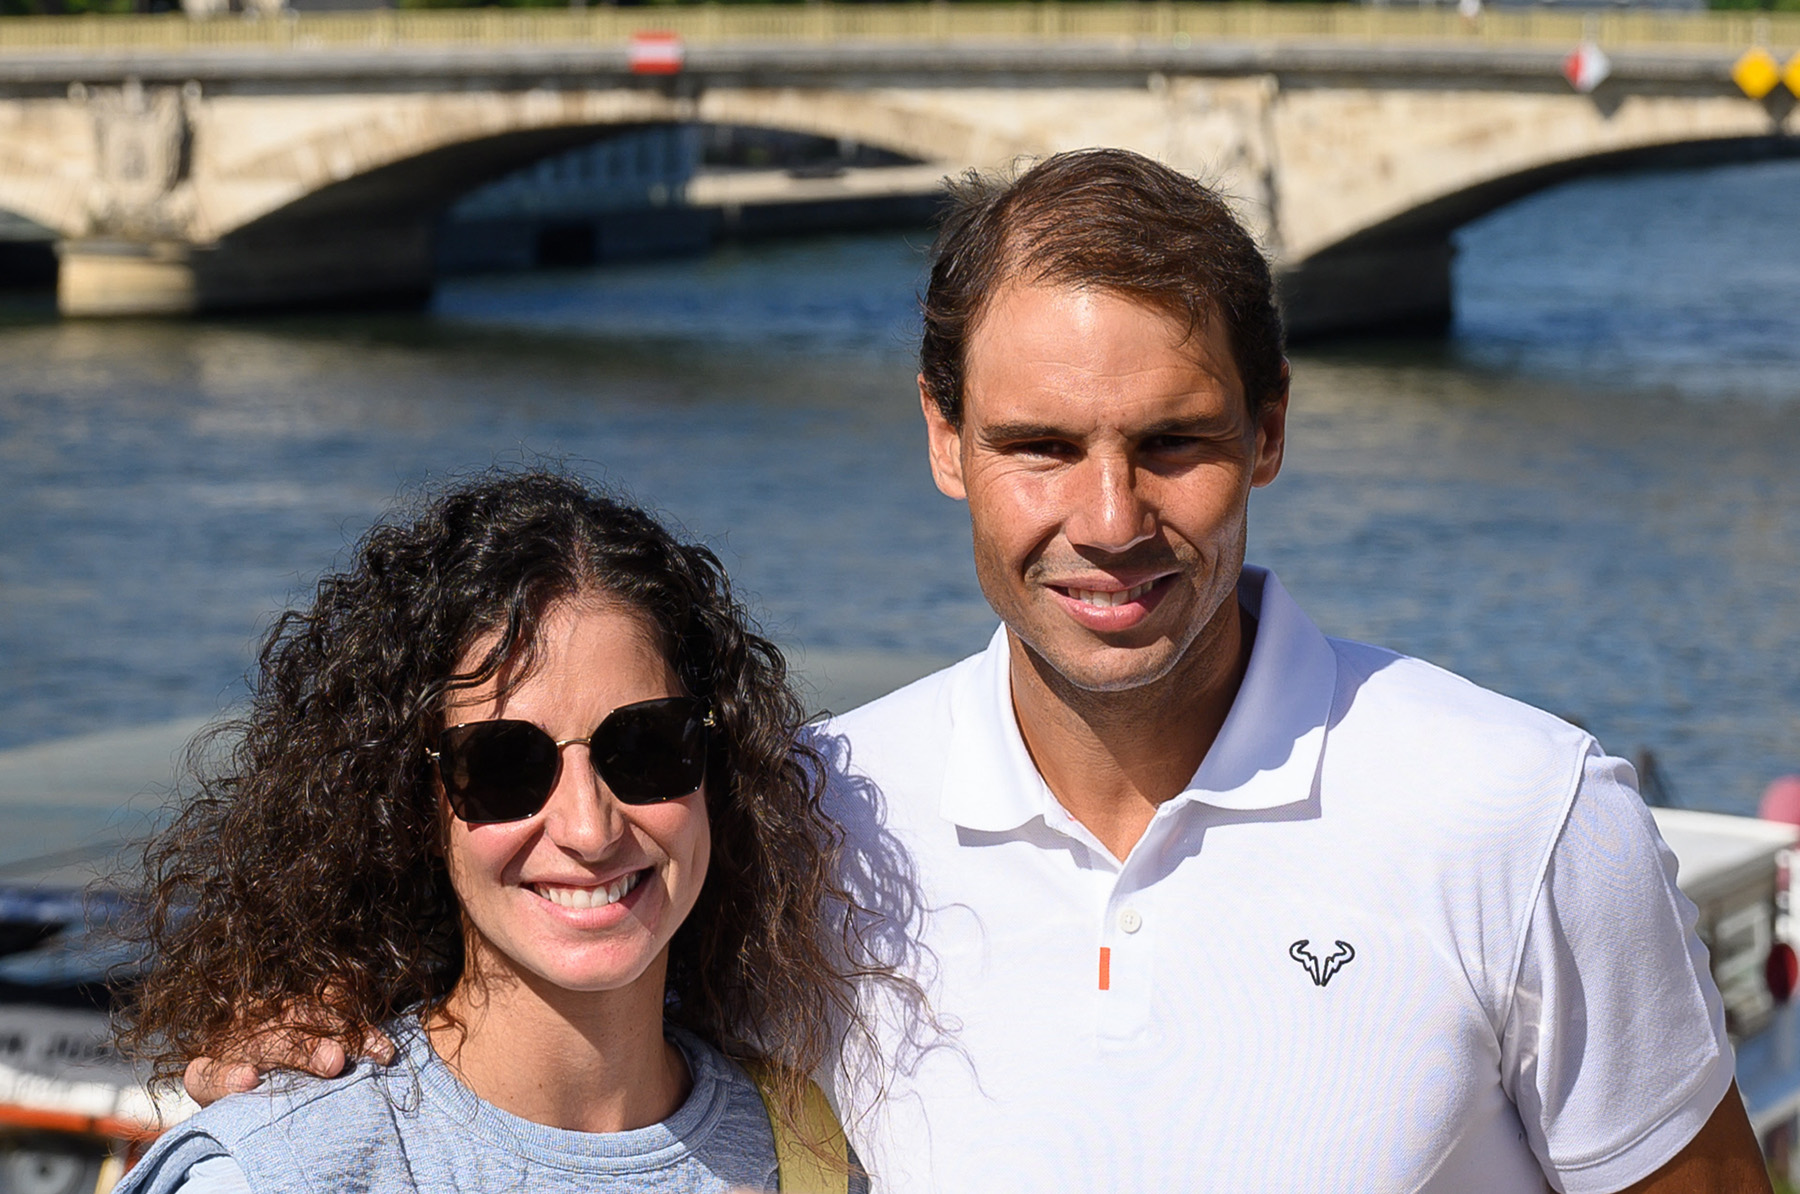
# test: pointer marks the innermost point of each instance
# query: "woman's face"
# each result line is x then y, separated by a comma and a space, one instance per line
585, 894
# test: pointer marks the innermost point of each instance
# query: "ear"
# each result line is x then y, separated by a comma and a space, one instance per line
944, 447
1271, 433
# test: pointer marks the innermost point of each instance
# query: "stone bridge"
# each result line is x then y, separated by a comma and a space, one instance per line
194, 165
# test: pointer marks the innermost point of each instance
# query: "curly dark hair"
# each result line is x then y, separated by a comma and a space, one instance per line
1105, 218
304, 876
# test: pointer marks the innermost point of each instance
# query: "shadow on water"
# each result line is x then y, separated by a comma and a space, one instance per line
1684, 282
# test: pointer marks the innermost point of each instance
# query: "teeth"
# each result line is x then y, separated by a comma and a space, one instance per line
1107, 600
588, 897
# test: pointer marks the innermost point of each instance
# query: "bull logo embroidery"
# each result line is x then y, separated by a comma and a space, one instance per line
1321, 970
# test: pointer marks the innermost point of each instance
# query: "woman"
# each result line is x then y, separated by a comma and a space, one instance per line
519, 790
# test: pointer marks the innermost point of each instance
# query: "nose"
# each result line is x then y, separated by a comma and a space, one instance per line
1107, 509
582, 816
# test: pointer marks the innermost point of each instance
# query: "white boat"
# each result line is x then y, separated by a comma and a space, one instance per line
74, 1115
1742, 874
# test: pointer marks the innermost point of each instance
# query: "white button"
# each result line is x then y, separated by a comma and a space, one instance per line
1130, 921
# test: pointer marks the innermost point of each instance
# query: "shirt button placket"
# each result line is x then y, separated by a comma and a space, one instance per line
1127, 962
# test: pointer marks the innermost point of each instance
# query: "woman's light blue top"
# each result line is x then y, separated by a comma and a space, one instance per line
413, 1126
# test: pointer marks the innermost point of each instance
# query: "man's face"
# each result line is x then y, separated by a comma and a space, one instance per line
1107, 458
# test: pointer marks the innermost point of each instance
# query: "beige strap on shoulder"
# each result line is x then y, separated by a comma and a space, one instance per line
802, 1171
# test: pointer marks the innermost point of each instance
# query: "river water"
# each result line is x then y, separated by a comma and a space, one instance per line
1588, 496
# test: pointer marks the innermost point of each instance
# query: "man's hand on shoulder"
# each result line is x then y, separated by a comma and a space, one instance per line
1723, 1159
209, 1079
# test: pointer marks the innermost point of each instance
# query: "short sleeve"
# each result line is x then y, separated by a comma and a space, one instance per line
186, 1162
215, 1175
1614, 1046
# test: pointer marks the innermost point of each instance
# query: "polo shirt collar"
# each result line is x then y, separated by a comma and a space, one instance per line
1267, 752
990, 782
1266, 755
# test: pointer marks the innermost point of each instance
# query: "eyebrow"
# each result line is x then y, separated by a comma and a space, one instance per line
1023, 431
1197, 425
1018, 432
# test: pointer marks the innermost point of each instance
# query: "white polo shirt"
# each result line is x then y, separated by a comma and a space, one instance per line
1398, 933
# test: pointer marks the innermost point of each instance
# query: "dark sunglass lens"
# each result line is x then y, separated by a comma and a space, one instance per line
653, 750
497, 770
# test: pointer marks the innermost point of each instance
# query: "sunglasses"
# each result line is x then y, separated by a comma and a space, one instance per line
647, 752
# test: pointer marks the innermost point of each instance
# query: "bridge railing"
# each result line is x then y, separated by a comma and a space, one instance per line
820, 23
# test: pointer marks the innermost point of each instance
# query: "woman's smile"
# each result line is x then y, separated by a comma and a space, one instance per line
581, 898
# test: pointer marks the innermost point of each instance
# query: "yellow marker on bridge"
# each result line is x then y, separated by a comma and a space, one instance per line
1756, 73
1792, 75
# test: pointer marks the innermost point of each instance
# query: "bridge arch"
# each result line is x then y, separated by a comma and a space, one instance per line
334, 198
424, 148
1438, 218
1366, 239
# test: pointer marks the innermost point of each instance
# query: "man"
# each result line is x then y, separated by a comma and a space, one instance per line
1191, 896
1201, 898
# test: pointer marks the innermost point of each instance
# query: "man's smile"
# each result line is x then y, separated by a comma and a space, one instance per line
1107, 605
1101, 597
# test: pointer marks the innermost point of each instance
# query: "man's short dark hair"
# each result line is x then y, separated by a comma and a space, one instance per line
1108, 219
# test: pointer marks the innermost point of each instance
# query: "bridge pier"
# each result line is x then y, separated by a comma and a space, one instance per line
1402, 287
367, 264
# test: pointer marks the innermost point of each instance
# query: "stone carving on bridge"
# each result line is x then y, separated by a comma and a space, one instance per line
143, 146
1220, 131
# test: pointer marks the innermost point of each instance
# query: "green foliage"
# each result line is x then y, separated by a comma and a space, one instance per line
1754, 5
